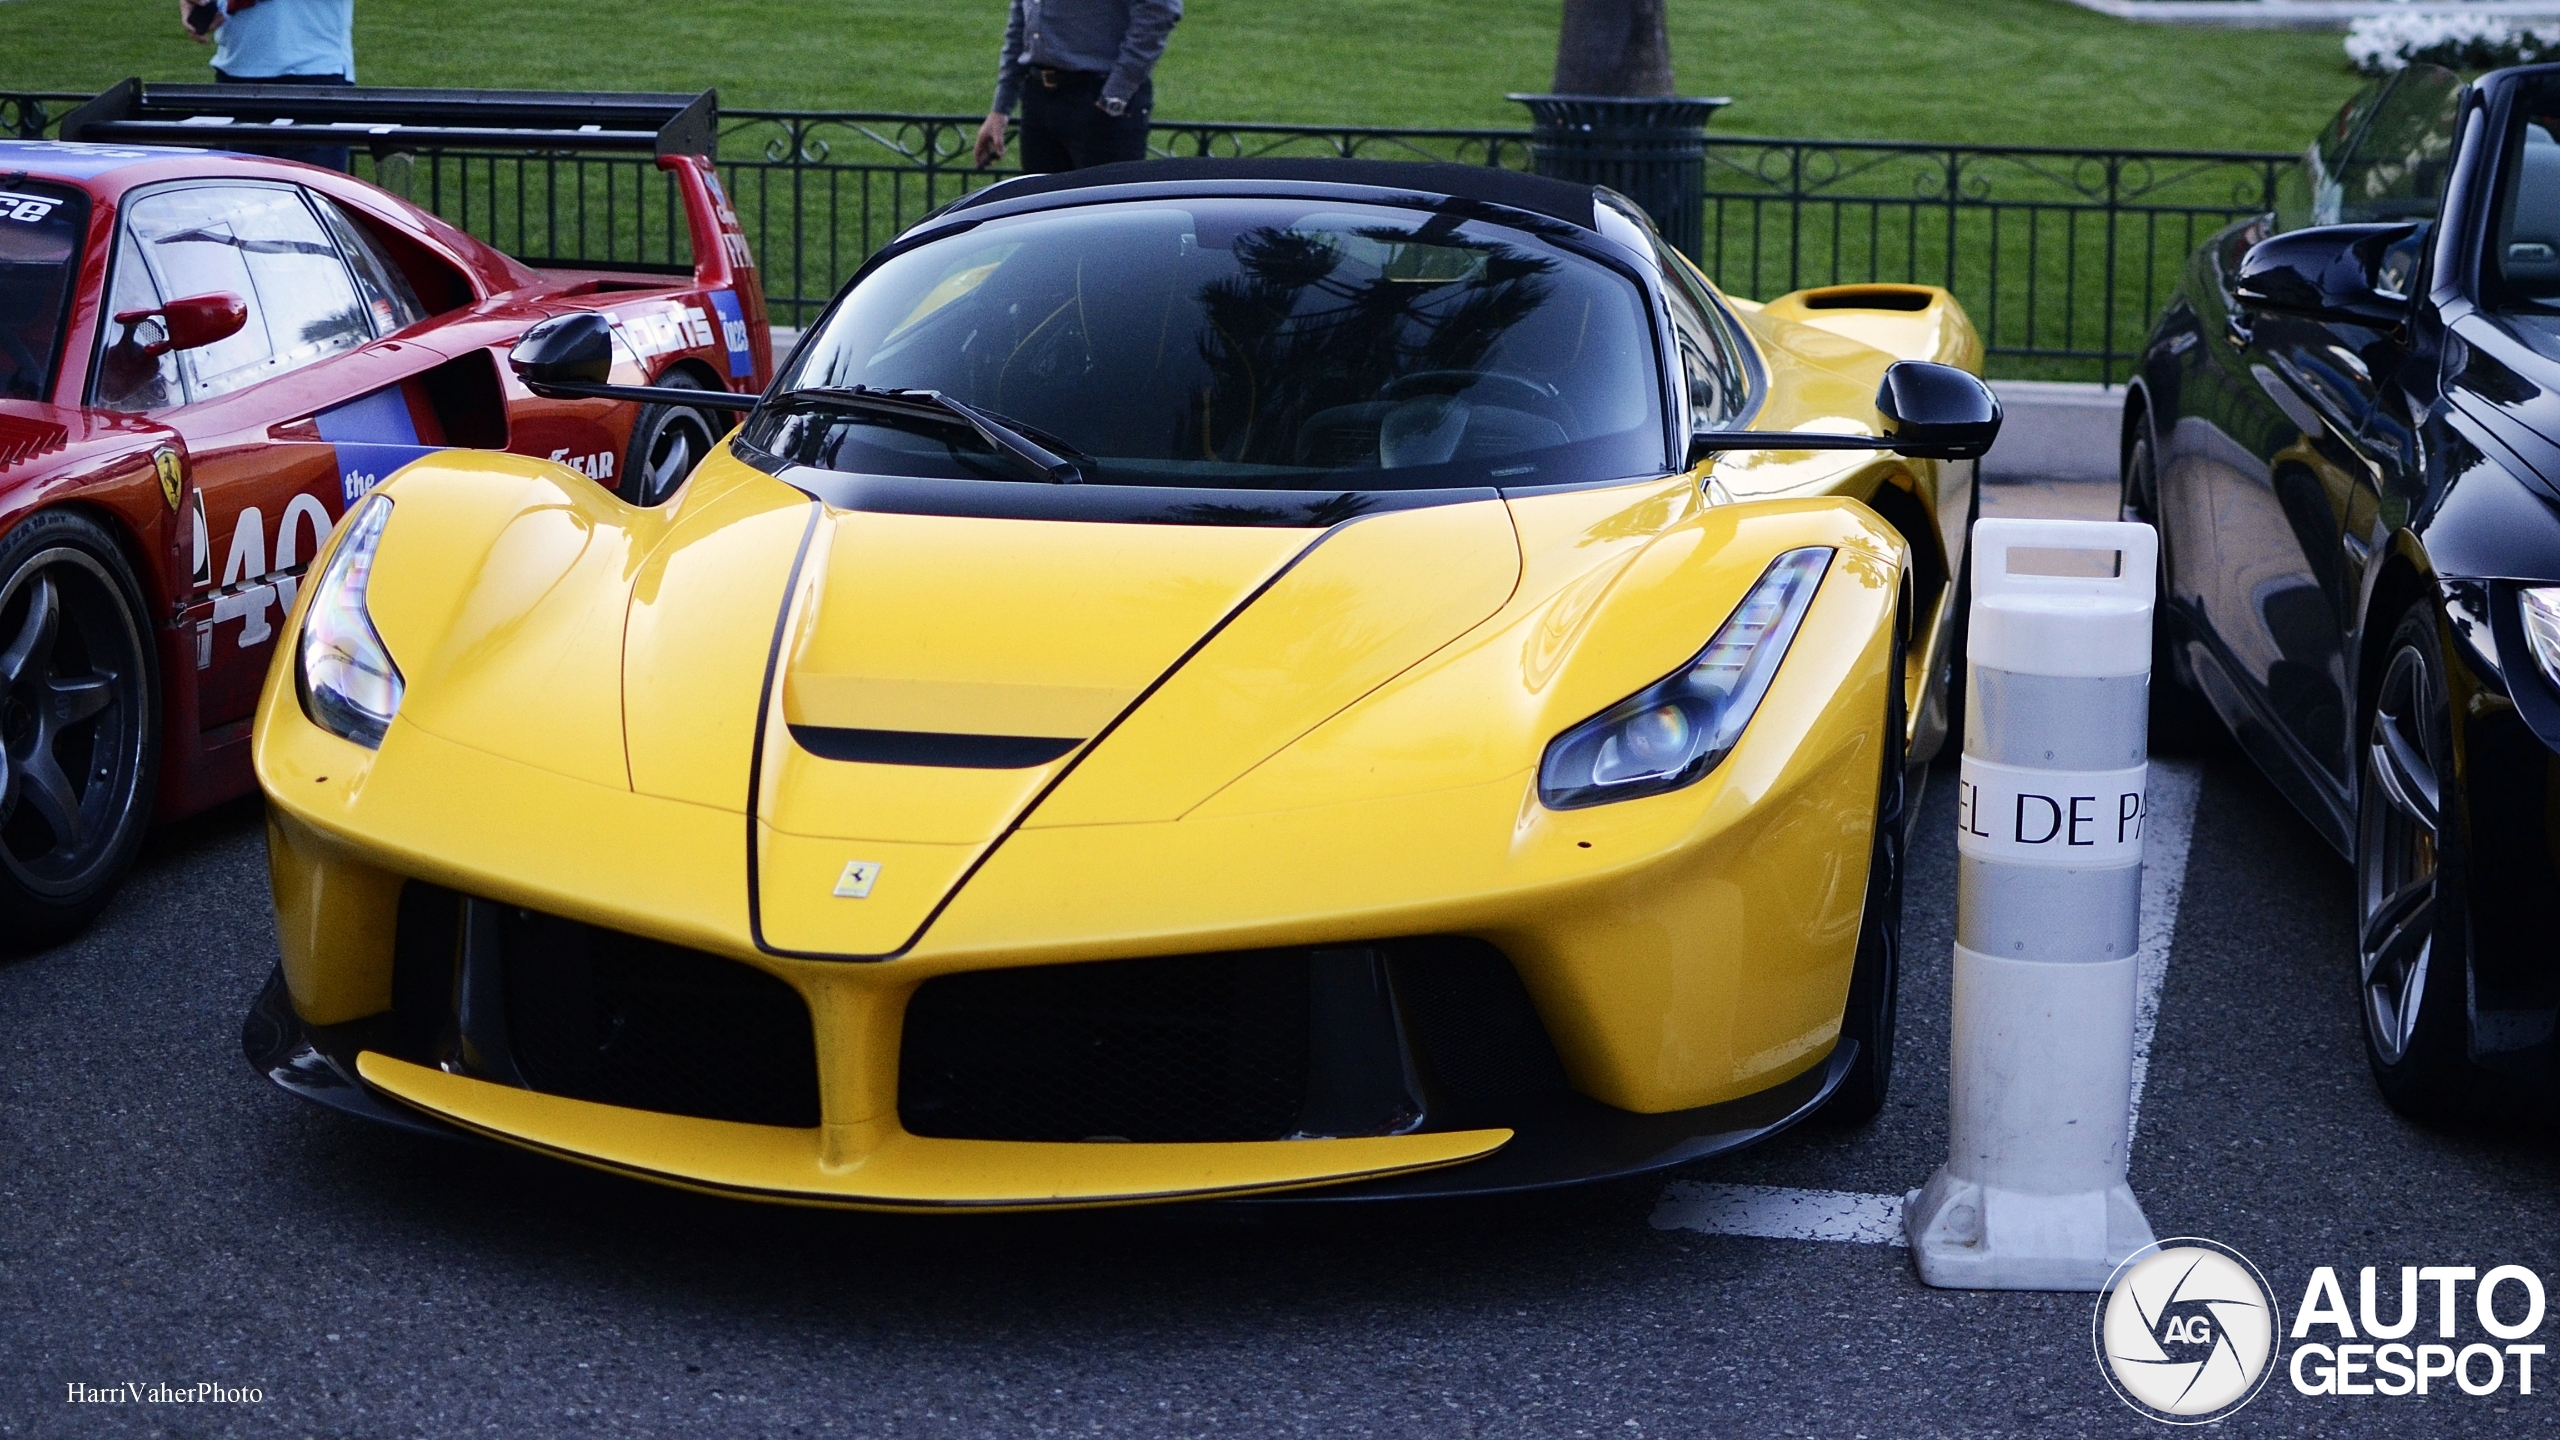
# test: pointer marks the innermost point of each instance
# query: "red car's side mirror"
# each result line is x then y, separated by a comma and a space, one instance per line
187, 323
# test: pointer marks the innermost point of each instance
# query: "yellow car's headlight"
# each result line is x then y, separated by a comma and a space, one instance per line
349, 685
1674, 731
2541, 605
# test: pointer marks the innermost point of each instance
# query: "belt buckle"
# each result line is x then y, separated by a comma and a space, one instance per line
1048, 78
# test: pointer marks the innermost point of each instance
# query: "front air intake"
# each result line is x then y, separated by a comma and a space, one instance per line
1244, 1045
595, 1014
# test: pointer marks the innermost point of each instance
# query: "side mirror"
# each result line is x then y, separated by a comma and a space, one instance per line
571, 357
190, 323
2331, 272
1937, 412
565, 350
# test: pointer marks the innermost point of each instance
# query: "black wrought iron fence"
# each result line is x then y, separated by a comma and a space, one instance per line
2062, 256
32, 114
819, 192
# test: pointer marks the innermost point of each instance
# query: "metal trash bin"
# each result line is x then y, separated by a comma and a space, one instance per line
1650, 148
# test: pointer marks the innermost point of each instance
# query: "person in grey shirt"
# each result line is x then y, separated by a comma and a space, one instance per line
1082, 71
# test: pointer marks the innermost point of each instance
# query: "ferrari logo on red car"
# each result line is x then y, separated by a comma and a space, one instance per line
173, 473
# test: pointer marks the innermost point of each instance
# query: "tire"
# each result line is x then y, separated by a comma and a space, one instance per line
1875, 977
666, 444
2179, 716
79, 726
1960, 636
2412, 911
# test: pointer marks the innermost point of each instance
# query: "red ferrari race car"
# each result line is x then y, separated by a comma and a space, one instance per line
207, 357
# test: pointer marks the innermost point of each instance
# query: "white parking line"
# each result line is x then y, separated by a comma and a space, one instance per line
1776, 1213
1779, 1213
2171, 797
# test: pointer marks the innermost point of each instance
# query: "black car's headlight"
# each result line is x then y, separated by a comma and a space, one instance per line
349, 686
2541, 606
1677, 729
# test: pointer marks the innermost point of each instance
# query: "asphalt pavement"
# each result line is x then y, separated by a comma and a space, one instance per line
168, 1217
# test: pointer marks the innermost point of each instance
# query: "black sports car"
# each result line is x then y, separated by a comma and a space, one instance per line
2347, 427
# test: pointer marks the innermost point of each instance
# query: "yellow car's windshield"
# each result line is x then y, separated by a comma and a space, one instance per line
1242, 344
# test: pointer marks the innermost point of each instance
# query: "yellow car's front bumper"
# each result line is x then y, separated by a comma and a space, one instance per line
1553, 1140
1687, 955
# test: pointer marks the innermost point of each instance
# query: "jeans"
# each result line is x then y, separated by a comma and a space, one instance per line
1064, 129
328, 157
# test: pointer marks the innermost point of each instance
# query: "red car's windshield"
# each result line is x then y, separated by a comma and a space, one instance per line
39, 255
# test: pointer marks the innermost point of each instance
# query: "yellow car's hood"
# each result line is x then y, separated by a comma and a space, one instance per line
1136, 668
903, 690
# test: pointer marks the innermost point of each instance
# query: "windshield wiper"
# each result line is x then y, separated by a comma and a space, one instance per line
932, 406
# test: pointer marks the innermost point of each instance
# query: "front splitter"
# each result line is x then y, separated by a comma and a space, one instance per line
1558, 1139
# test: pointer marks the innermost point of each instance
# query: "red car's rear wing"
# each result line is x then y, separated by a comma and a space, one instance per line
681, 131
259, 118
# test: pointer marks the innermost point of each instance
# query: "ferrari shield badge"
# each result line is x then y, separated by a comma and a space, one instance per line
855, 882
173, 473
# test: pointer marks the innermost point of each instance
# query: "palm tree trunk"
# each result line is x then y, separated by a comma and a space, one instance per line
1613, 47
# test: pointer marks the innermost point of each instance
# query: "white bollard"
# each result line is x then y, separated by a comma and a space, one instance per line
2048, 910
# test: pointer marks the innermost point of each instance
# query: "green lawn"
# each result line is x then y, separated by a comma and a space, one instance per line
1998, 71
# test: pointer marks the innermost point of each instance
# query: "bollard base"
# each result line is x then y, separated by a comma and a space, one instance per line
1968, 1236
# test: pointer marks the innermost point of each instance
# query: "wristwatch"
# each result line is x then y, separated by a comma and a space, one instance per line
1114, 107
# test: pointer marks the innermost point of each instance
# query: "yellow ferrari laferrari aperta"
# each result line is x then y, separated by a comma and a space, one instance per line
1199, 680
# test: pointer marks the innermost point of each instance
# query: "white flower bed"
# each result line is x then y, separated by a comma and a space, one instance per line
2381, 46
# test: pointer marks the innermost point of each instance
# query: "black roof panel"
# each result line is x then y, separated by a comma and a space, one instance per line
1558, 199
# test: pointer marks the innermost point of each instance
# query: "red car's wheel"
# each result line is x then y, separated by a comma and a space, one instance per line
665, 446
79, 728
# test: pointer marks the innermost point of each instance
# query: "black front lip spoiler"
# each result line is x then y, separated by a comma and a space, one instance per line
1562, 1140
1557, 1140
318, 1063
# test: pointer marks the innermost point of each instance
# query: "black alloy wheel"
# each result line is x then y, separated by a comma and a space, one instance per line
79, 726
2411, 935
665, 446
1875, 977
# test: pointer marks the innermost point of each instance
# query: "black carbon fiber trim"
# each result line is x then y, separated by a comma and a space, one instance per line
945, 750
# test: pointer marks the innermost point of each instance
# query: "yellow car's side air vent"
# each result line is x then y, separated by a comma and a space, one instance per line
1867, 297
1908, 322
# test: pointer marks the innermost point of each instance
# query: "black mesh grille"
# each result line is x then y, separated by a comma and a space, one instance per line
1196, 1047
1186, 1048
597, 1015
1473, 1016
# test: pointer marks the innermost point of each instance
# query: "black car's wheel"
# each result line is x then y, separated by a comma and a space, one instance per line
2411, 932
665, 446
1875, 978
2178, 712
79, 726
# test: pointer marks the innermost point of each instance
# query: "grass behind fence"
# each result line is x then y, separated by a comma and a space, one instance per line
1985, 71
